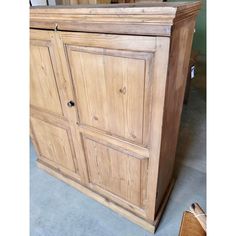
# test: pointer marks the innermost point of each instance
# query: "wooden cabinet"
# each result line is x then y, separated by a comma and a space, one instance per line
74, 2
107, 87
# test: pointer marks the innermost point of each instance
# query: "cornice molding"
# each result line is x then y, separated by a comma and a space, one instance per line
145, 19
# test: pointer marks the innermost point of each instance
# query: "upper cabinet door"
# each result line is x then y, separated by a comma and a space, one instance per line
111, 77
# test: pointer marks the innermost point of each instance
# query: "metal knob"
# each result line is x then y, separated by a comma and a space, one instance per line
70, 104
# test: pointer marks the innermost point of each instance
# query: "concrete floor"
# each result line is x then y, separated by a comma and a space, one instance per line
56, 209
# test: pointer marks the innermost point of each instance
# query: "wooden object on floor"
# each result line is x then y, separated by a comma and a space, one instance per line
106, 95
199, 214
190, 226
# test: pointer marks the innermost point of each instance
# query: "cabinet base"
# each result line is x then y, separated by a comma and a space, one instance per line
151, 227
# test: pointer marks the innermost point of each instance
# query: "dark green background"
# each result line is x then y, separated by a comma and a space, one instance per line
199, 40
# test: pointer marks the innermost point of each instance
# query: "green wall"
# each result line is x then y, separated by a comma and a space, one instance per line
199, 40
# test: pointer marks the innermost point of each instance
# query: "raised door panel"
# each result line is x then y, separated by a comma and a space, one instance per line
117, 172
43, 86
112, 78
110, 92
54, 145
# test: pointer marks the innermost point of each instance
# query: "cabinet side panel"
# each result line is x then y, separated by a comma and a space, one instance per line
158, 87
181, 43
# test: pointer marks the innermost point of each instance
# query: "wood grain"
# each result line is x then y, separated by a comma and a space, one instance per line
43, 86
109, 41
138, 18
116, 172
190, 226
112, 76
199, 214
156, 123
151, 227
72, 2
177, 75
125, 75
50, 90
110, 140
53, 143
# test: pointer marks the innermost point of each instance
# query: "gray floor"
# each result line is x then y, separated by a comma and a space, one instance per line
57, 209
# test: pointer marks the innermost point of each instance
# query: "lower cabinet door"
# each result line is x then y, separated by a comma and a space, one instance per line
116, 174
54, 146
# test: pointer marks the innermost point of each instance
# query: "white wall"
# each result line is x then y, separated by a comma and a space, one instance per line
42, 2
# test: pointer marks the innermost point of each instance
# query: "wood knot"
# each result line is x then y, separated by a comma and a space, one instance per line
56, 27
123, 90
95, 118
106, 199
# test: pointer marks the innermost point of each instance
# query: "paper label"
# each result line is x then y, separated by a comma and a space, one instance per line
192, 72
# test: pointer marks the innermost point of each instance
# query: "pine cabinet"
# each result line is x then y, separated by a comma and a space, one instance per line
106, 93
74, 2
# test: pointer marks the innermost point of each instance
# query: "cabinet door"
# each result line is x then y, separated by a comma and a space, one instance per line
50, 128
111, 75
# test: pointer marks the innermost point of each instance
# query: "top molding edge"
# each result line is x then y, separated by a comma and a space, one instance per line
157, 17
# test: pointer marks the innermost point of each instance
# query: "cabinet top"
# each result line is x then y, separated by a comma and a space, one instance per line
136, 18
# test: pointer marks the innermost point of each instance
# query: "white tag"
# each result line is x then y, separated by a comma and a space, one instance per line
192, 72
